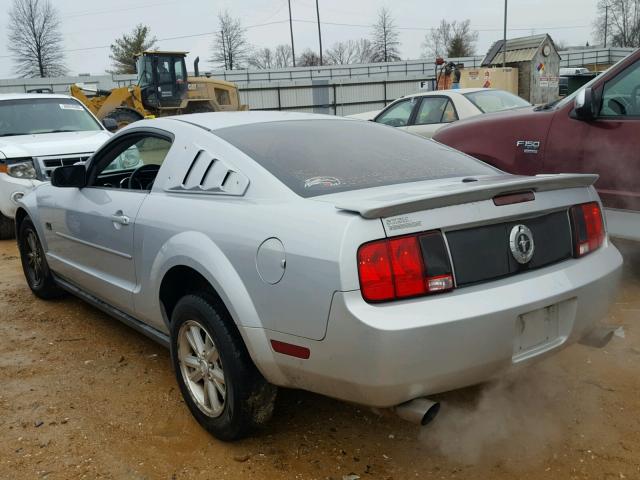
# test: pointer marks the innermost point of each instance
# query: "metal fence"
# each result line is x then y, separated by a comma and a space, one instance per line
410, 68
337, 97
336, 89
597, 58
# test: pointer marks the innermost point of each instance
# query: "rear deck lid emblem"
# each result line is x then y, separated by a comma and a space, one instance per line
521, 244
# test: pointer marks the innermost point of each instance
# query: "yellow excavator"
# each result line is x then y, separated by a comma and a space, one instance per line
163, 88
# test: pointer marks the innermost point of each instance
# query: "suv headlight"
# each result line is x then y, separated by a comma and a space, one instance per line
23, 169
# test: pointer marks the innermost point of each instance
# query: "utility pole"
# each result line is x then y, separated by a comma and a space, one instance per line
224, 50
293, 50
319, 32
504, 37
606, 23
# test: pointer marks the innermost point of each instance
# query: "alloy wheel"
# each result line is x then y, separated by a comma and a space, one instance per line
34, 259
201, 368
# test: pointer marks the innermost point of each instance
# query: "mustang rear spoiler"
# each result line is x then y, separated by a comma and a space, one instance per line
475, 191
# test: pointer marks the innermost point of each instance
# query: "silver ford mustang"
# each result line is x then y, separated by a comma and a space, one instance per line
322, 253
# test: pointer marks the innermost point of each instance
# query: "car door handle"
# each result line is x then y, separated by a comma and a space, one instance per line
121, 219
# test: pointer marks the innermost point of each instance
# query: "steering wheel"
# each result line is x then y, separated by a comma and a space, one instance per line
141, 169
396, 122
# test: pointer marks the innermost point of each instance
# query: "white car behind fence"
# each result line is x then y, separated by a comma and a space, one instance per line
425, 113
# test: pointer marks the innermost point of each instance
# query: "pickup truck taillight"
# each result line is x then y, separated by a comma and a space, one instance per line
404, 267
588, 228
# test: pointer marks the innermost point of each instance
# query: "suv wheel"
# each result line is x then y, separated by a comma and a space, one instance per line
34, 263
220, 384
7, 228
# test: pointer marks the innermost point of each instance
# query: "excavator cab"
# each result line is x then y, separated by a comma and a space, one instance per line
162, 78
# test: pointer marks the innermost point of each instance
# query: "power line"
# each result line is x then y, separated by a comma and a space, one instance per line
362, 25
89, 13
276, 22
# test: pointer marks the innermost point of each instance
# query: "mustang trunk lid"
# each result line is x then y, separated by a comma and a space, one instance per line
407, 198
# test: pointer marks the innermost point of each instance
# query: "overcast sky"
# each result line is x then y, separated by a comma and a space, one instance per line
95, 23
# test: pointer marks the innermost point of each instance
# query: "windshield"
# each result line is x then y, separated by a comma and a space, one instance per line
44, 115
145, 71
489, 101
359, 155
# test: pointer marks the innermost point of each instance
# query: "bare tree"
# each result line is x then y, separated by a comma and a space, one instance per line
263, 58
385, 43
437, 40
125, 49
308, 58
341, 53
284, 56
364, 51
451, 39
351, 51
620, 21
35, 39
230, 47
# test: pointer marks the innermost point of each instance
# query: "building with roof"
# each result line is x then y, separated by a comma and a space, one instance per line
538, 63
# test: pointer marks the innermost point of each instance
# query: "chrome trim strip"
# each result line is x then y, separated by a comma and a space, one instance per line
93, 245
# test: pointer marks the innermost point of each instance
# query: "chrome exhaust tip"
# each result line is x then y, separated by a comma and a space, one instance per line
420, 411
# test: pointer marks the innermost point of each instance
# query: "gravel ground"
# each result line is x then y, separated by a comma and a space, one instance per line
82, 396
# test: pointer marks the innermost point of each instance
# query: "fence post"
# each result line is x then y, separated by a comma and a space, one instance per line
335, 101
279, 100
384, 83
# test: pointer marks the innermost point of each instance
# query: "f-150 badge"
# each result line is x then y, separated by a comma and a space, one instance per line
528, 146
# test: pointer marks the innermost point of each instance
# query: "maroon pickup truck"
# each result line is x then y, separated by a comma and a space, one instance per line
594, 130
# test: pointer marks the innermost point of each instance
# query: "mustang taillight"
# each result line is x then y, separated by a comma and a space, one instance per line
404, 267
588, 228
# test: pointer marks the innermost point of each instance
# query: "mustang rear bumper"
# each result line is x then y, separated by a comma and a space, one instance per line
386, 354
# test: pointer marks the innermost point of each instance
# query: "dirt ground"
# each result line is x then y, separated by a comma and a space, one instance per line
82, 396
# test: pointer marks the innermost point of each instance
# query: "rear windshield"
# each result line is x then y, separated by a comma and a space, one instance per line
318, 157
30, 116
489, 101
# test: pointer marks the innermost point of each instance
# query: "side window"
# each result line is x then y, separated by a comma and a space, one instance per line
180, 76
132, 164
222, 96
435, 110
621, 96
450, 114
398, 115
164, 70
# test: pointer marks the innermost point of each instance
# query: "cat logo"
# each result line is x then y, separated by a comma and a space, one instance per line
528, 146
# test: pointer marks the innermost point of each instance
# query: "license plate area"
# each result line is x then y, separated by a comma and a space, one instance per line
536, 331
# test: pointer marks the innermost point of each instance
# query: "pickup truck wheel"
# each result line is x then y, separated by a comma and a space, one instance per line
220, 384
34, 263
7, 228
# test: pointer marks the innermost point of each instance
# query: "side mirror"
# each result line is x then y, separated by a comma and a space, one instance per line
110, 124
584, 105
69, 176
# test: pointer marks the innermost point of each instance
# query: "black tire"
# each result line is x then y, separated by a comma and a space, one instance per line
249, 399
34, 263
124, 117
7, 228
199, 107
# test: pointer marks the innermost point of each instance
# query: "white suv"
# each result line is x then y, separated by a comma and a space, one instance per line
39, 132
